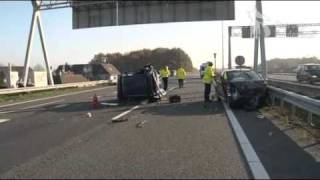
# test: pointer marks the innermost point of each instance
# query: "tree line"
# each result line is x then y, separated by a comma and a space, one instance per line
288, 65
135, 60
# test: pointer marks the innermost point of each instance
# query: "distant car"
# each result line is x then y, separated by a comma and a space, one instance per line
202, 68
309, 73
241, 87
173, 73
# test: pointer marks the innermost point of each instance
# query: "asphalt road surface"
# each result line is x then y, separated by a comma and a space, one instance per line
56, 138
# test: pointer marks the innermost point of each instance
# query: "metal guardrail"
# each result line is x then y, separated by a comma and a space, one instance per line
312, 106
58, 86
286, 74
312, 91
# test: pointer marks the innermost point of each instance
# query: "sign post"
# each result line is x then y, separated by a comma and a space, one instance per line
215, 61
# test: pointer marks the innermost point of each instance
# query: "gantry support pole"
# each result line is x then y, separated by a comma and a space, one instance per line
36, 18
229, 47
261, 38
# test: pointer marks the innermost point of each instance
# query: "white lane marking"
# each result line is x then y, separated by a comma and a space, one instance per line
61, 106
26, 108
4, 120
43, 104
124, 113
6, 112
253, 160
40, 99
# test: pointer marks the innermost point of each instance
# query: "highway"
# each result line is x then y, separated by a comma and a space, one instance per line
289, 82
56, 138
288, 77
284, 77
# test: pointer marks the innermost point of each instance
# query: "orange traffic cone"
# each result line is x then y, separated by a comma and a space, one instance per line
95, 101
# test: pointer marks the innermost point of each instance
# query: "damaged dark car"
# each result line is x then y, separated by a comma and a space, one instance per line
241, 88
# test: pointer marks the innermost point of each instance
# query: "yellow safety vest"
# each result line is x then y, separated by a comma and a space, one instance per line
208, 75
181, 73
165, 72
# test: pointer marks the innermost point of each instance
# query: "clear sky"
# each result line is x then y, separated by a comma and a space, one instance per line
198, 39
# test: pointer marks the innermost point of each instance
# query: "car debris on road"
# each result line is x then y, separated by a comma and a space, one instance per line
174, 98
119, 120
140, 124
110, 104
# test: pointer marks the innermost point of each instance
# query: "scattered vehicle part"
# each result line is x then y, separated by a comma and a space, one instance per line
260, 116
174, 98
140, 124
110, 104
119, 120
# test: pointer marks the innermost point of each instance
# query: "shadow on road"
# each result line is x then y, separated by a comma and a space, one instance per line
198, 108
281, 156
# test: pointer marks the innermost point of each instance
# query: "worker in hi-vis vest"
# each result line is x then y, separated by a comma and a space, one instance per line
165, 73
208, 76
181, 75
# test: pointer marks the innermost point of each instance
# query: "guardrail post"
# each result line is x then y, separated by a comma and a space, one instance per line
293, 112
281, 106
310, 118
273, 99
